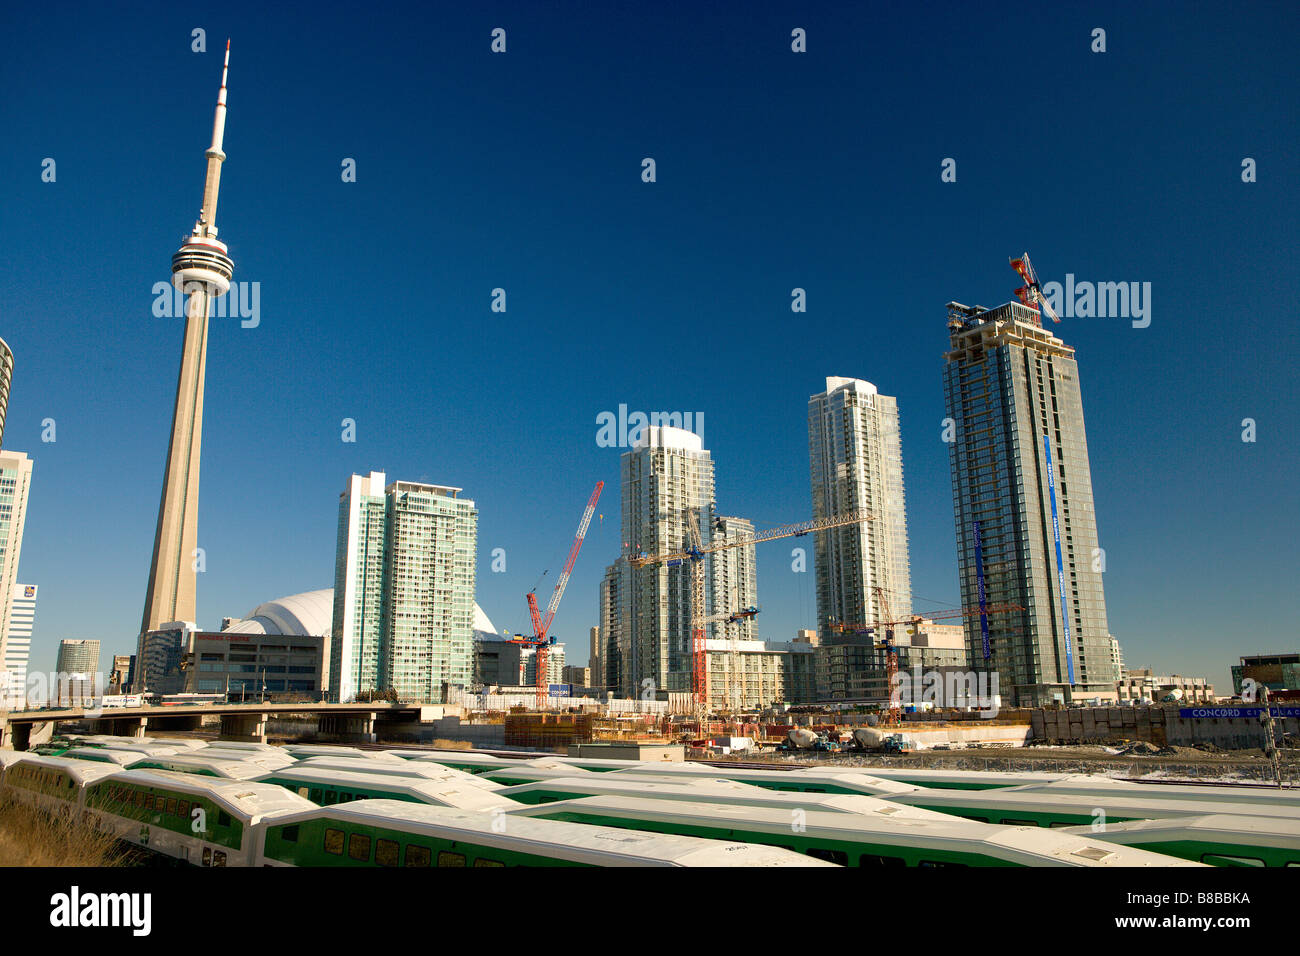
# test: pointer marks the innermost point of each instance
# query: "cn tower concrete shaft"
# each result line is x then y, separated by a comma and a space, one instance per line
202, 270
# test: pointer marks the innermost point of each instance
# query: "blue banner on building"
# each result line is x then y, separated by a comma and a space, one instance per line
1060, 561
1200, 713
979, 579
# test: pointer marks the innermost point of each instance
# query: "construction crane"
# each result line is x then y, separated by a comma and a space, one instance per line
694, 554
541, 638
892, 714
735, 693
1031, 293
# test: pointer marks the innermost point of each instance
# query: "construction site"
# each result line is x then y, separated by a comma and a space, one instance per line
717, 718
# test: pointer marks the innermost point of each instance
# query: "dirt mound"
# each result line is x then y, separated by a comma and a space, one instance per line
1144, 748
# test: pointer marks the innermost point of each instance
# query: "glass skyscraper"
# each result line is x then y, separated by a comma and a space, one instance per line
667, 473
404, 579
1022, 502
856, 463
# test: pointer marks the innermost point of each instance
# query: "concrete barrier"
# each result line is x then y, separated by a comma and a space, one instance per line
1159, 725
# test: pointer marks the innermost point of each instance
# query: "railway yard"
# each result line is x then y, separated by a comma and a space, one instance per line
1132, 761
220, 803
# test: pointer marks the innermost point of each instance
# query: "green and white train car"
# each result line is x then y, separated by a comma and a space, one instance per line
245, 745
962, 779
691, 790
885, 837
608, 765
149, 743
180, 743
804, 780
468, 760
535, 773
204, 766
1273, 800
200, 820
326, 786
1044, 808
1217, 839
299, 751
54, 784
269, 760
388, 833
119, 758
140, 746
422, 770
12, 756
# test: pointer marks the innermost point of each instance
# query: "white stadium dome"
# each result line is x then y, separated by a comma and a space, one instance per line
311, 613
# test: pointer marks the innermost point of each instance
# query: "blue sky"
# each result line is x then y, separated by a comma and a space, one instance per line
522, 171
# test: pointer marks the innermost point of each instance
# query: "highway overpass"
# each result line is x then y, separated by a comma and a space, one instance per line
20, 730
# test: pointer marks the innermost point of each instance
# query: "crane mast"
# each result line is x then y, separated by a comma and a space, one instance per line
893, 711
696, 551
541, 639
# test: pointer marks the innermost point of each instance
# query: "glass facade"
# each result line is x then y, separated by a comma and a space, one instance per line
1020, 472
404, 591
856, 463
666, 475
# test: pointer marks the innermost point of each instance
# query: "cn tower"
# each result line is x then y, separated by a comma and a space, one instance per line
202, 270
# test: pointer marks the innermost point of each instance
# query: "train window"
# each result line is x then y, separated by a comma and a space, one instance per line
139, 798
451, 859
417, 855
290, 834
870, 859
359, 846
1059, 823
331, 797
1007, 821
481, 861
303, 791
334, 842
830, 856
207, 856
223, 818
344, 797
1220, 859
932, 863
315, 796
160, 804
386, 852
171, 805
219, 858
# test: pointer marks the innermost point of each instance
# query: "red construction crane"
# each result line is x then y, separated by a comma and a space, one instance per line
541, 638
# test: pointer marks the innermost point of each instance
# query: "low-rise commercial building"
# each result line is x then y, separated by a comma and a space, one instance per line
253, 665
1140, 683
